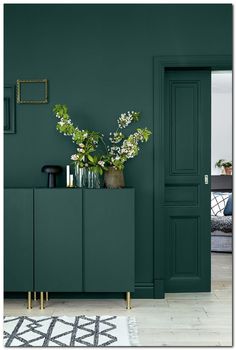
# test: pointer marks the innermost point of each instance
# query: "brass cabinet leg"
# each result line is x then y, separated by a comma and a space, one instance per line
128, 301
35, 296
41, 301
29, 305
46, 297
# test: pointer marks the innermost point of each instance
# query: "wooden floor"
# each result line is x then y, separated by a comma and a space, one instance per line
183, 319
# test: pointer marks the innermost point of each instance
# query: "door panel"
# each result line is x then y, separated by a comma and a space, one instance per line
58, 240
18, 240
109, 240
186, 206
183, 195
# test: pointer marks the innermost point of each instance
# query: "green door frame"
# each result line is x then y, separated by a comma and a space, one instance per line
213, 62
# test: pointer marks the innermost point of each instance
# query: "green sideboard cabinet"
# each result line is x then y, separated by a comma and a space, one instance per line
69, 240
109, 240
18, 240
58, 240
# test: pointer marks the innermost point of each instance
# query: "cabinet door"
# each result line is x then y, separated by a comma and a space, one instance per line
109, 240
58, 240
18, 240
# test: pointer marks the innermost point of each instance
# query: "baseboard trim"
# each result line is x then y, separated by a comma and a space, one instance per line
143, 291
159, 291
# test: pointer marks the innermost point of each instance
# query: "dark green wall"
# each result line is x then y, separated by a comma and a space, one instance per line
99, 61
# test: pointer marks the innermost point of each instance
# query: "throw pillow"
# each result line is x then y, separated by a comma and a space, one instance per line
229, 206
218, 203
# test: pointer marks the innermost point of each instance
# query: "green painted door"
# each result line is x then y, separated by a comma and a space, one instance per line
18, 240
109, 240
186, 204
58, 240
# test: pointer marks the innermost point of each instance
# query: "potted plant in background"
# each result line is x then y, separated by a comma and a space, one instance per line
225, 166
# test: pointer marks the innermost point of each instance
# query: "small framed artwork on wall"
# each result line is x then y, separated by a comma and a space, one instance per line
32, 91
9, 109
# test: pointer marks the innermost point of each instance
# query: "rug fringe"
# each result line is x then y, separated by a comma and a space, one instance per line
133, 331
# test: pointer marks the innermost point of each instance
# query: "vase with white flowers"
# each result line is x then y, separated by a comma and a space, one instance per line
122, 148
89, 163
85, 160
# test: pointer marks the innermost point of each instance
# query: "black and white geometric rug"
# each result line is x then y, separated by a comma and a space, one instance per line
93, 331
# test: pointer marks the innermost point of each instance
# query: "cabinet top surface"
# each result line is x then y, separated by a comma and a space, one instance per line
69, 189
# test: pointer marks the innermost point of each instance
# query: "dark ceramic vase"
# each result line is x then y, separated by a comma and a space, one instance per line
114, 178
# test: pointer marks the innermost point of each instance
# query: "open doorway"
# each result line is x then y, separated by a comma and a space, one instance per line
221, 176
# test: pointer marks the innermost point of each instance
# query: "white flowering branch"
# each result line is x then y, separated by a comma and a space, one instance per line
121, 149
119, 154
85, 139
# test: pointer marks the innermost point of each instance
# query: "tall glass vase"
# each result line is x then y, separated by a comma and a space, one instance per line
81, 176
93, 179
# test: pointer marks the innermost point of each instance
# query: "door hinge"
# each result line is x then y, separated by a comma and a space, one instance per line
206, 179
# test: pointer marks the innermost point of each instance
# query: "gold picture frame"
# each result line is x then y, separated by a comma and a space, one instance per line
19, 98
